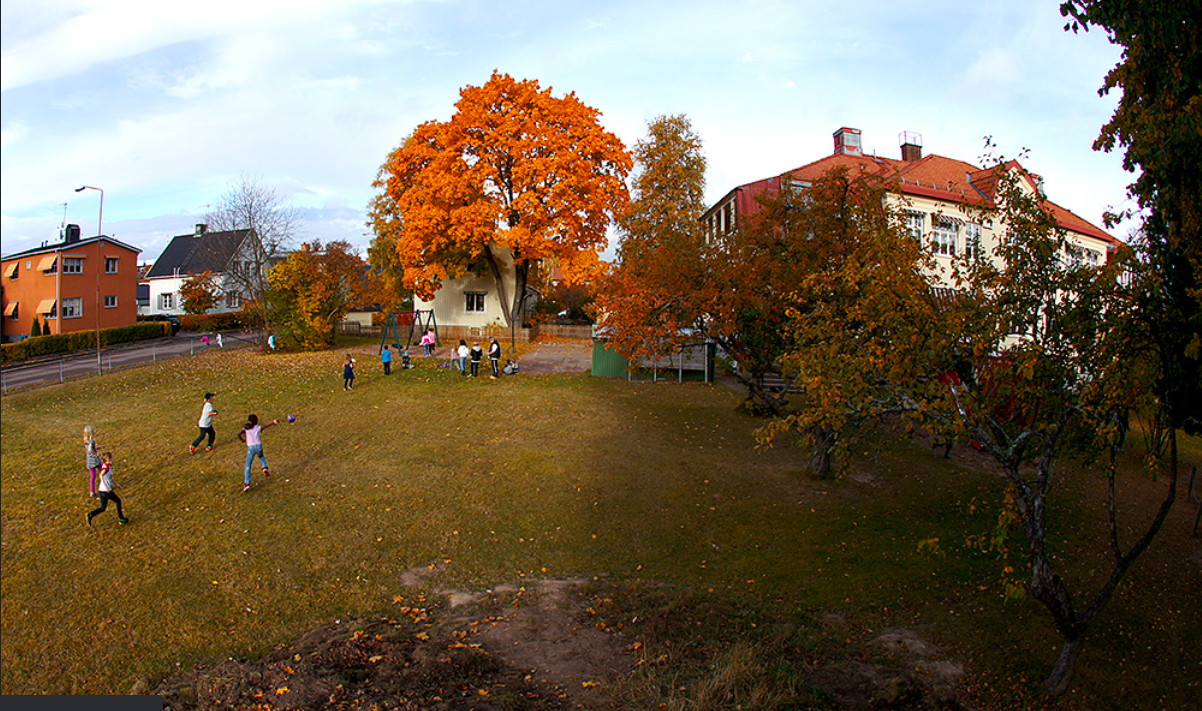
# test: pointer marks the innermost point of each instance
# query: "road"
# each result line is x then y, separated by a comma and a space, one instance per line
55, 370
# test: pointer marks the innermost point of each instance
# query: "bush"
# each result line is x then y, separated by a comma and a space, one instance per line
232, 321
33, 347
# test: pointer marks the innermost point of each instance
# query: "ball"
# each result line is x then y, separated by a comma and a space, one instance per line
291, 418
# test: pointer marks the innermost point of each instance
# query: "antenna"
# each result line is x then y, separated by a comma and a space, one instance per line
63, 226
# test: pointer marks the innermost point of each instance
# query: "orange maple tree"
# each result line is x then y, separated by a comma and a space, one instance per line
199, 292
514, 178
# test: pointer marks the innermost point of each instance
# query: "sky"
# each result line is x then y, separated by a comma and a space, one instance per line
165, 106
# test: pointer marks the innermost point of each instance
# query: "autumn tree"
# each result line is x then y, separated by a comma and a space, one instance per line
385, 263
1035, 357
516, 176
316, 286
249, 204
653, 299
199, 293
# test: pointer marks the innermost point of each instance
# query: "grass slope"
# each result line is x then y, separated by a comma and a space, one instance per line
510, 480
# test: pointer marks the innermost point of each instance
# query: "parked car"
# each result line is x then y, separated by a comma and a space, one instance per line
173, 320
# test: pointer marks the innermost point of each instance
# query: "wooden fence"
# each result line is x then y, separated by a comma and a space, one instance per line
477, 333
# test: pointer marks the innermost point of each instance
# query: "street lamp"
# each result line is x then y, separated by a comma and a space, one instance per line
99, 265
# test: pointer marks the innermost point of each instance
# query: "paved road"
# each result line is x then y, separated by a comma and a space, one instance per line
56, 370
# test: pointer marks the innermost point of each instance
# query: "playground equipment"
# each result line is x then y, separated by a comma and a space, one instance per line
419, 321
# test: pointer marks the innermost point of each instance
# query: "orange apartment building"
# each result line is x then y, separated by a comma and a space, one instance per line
74, 285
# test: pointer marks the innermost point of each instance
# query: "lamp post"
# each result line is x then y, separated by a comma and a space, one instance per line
99, 266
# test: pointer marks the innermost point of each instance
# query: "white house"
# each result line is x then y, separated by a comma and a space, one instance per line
222, 253
473, 301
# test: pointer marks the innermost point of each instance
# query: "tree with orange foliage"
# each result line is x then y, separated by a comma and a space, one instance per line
654, 298
516, 176
199, 293
316, 286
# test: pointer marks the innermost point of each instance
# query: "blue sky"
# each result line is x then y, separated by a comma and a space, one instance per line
165, 105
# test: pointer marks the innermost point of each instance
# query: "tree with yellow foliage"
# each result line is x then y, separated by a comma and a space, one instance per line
315, 287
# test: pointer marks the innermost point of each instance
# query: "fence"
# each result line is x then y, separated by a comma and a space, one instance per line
478, 333
61, 369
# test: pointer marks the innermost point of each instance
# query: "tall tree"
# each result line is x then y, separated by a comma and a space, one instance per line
516, 176
250, 204
1159, 123
316, 286
651, 299
199, 293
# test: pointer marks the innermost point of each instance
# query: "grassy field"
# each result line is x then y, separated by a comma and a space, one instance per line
522, 478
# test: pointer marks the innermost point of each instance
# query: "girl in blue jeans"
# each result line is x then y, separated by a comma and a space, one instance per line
252, 434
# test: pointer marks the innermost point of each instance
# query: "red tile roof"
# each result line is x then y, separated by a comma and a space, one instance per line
933, 176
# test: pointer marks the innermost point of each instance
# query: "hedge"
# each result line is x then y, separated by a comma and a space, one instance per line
231, 321
33, 347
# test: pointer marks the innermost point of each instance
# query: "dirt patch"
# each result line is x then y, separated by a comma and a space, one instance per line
524, 647
553, 644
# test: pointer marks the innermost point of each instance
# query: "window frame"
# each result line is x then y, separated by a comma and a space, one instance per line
945, 232
115, 261
471, 299
72, 265
972, 240
72, 307
108, 305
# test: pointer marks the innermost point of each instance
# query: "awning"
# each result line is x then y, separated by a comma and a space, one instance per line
46, 306
12, 269
11, 308
47, 262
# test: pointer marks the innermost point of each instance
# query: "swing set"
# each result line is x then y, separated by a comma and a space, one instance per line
419, 321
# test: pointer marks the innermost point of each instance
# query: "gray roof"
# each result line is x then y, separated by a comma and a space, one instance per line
198, 253
69, 245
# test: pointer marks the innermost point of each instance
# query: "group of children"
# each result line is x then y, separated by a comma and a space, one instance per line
250, 434
460, 358
476, 354
100, 464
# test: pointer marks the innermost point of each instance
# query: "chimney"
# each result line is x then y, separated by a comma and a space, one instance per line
911, 145
72, 235
201, 229
847, 140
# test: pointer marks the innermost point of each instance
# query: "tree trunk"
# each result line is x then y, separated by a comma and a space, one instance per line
1058, 681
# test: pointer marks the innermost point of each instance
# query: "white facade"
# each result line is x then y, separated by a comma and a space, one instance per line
471, 301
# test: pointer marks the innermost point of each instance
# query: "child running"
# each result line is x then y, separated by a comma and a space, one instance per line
105, 492
91, 457
205, 423
252, 434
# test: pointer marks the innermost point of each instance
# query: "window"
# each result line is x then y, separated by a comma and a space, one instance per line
49, 264
13, 271
943, 236
914, 223
233, 300
11, 311
166, 301
73, 308
972, 240
72, 265
474, 302
110, 301
110, 265
48, 308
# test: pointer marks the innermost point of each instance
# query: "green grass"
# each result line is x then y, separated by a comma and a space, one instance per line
520, 478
